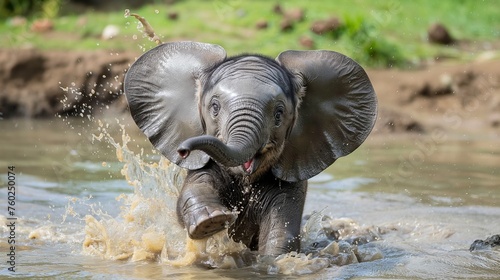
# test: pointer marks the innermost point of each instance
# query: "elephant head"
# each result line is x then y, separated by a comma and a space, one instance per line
294, 115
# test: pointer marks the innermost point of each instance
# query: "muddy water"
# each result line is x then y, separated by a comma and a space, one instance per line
94, 202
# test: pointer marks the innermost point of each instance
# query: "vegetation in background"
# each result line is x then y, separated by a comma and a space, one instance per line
375, 33
29, 8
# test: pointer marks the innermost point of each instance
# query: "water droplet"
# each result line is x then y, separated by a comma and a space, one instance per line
127, 13
134, 37
157, 12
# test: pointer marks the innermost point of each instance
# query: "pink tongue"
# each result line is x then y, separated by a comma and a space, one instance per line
248, 164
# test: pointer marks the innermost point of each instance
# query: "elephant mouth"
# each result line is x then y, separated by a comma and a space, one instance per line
248, 166
253, 164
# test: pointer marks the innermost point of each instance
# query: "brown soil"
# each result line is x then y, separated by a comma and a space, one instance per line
43, 84
453, 96
450, 96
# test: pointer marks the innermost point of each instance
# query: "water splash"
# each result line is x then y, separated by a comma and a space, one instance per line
147, 227
144, 27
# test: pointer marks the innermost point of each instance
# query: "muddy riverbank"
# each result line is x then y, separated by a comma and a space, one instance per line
450, 95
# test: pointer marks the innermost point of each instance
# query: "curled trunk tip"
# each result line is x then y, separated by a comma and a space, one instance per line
183, 152
225, 154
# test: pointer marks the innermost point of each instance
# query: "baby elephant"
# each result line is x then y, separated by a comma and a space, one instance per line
251, 130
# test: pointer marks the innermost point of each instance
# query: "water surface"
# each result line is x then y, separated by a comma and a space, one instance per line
81, 216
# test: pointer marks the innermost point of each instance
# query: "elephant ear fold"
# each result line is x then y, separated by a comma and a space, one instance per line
162, 89
336, 114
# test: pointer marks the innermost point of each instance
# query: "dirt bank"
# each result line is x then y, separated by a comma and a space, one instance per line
463, 97
43, 84
448, 95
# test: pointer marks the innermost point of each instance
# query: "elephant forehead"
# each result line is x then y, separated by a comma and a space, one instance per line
251, 69
251, 65
249, 86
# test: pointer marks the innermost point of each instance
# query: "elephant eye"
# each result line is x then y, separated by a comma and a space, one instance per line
278, 116
214, 107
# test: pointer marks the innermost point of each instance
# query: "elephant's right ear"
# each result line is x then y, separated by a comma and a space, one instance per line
161, 89
338, 111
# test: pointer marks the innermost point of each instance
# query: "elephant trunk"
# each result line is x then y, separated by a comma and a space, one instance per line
225, 154
245, 138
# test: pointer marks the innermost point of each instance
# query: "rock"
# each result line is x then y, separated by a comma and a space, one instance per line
431, 90
295, 15
286, 25
325, 26
438, 34
277, 9
17, 21
261, 24
391, 120
241, 13
45, 83
486, 244
82, 21
42, 25
495, 120
173, 15
306, 42
368, 254
346, 255
331, 249
110, 31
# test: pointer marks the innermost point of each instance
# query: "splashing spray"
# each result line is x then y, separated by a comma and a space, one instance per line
147, 28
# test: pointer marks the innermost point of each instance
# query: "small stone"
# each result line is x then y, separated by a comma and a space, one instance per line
42, 25
486, 244
82, 21
277, 9
306, 42
286, 25
368, 254
295, 15
261, 24
332, 249
344, 259
495, 120
110, 32
324, 26
173, 15
439, 34
17, 21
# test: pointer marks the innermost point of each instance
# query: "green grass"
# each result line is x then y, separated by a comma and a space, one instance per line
376, 33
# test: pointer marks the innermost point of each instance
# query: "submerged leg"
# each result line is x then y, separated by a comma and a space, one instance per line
199, 207
280, 224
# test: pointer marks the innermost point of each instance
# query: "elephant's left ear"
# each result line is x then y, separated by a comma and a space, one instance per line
337, 112
162, 89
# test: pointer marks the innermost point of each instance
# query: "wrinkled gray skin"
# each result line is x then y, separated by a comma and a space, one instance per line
251, 130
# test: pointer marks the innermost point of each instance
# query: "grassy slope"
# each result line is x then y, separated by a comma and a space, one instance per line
391, 27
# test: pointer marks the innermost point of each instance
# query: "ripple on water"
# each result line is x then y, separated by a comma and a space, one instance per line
386, 235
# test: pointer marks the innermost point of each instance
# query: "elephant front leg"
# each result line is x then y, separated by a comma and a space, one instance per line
280, 225
199, 207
